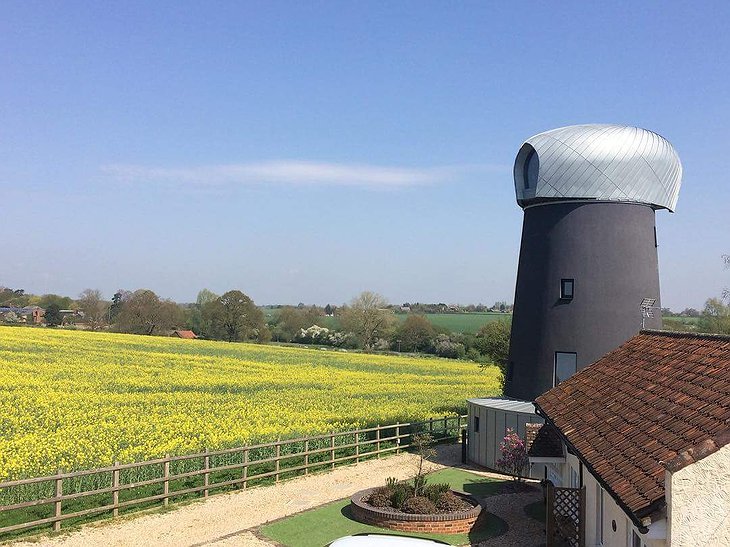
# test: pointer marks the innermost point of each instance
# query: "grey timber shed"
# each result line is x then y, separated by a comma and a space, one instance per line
489, 420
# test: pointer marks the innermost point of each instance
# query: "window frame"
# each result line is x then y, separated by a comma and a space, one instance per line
563, 284
555, 365
475, 424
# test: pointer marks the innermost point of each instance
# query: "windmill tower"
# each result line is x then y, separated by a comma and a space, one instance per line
588, 256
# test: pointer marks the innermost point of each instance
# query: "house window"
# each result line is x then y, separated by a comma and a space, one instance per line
567, 288
476, 424
566, 364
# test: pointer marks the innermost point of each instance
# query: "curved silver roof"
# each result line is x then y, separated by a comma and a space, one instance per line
602, 162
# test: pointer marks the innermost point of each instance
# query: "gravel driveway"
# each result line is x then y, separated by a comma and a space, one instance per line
230, 519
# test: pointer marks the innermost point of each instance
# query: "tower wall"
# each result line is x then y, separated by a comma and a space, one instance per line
609, 249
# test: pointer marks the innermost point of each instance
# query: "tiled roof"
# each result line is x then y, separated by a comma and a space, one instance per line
658, 395
185, 334
543, 441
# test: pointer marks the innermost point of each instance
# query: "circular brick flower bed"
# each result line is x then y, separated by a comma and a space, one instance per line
460, 522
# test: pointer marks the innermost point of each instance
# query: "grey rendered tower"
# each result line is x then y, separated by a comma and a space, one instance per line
588, 256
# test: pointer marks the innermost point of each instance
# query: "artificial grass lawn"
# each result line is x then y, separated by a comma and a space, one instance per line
319, 527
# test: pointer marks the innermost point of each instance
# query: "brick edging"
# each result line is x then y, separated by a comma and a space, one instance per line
435, 523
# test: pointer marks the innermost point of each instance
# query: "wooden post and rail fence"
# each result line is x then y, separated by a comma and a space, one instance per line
51, 500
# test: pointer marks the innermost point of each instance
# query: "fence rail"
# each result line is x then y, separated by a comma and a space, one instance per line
51, 500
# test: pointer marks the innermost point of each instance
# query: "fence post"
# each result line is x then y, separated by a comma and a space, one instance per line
430, 426
377, 441
59, 493
332, 449
446, 427
206, 475
245, 468
357, 447
458, 422
464, 445
397, 437
306, 457
549, 516
166, 483
115, 485
278, 455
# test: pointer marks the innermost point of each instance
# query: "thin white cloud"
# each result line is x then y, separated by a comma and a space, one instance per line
295, 173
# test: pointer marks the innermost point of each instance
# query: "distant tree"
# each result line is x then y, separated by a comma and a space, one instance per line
715, 317
368, 318
205, 296
13, 297
63, 302
234, 317
291, 321
52, 316
689, 312
416, 333
493, 341
328, 310
94, 308
195, 320
145, 313
11, 317
444, 346
117, 303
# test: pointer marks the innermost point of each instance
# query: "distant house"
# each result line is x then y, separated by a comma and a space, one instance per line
187, 334
25, 314
644, 435
37, 314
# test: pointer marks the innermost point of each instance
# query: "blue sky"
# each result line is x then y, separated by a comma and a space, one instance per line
309, 151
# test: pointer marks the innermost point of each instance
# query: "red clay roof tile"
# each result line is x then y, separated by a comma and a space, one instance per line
659, 399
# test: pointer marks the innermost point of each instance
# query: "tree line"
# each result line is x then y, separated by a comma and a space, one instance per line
368, 322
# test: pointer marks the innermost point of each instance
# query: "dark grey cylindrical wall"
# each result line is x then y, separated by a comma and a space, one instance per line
609, 249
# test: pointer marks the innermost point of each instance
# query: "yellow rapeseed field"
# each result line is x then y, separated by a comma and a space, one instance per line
75, 400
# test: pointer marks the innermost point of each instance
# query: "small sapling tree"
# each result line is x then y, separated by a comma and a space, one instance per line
423, 443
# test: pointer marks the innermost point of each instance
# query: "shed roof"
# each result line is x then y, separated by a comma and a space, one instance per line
504, 403
641, 405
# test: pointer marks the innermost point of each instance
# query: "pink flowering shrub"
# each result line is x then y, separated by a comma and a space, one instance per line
514, 454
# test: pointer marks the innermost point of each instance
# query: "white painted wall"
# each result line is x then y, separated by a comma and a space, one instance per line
698, 502
600, 532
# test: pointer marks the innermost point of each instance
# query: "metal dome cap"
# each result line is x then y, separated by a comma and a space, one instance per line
598, 162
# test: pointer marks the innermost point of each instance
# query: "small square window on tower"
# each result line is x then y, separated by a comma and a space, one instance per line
567, 288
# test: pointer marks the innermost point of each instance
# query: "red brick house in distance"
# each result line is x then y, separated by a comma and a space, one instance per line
646, 431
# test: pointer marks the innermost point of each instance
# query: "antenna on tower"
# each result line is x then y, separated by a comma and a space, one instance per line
647, 309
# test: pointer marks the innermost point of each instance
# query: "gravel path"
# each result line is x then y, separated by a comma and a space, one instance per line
523, 530
229, 519
226, 519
